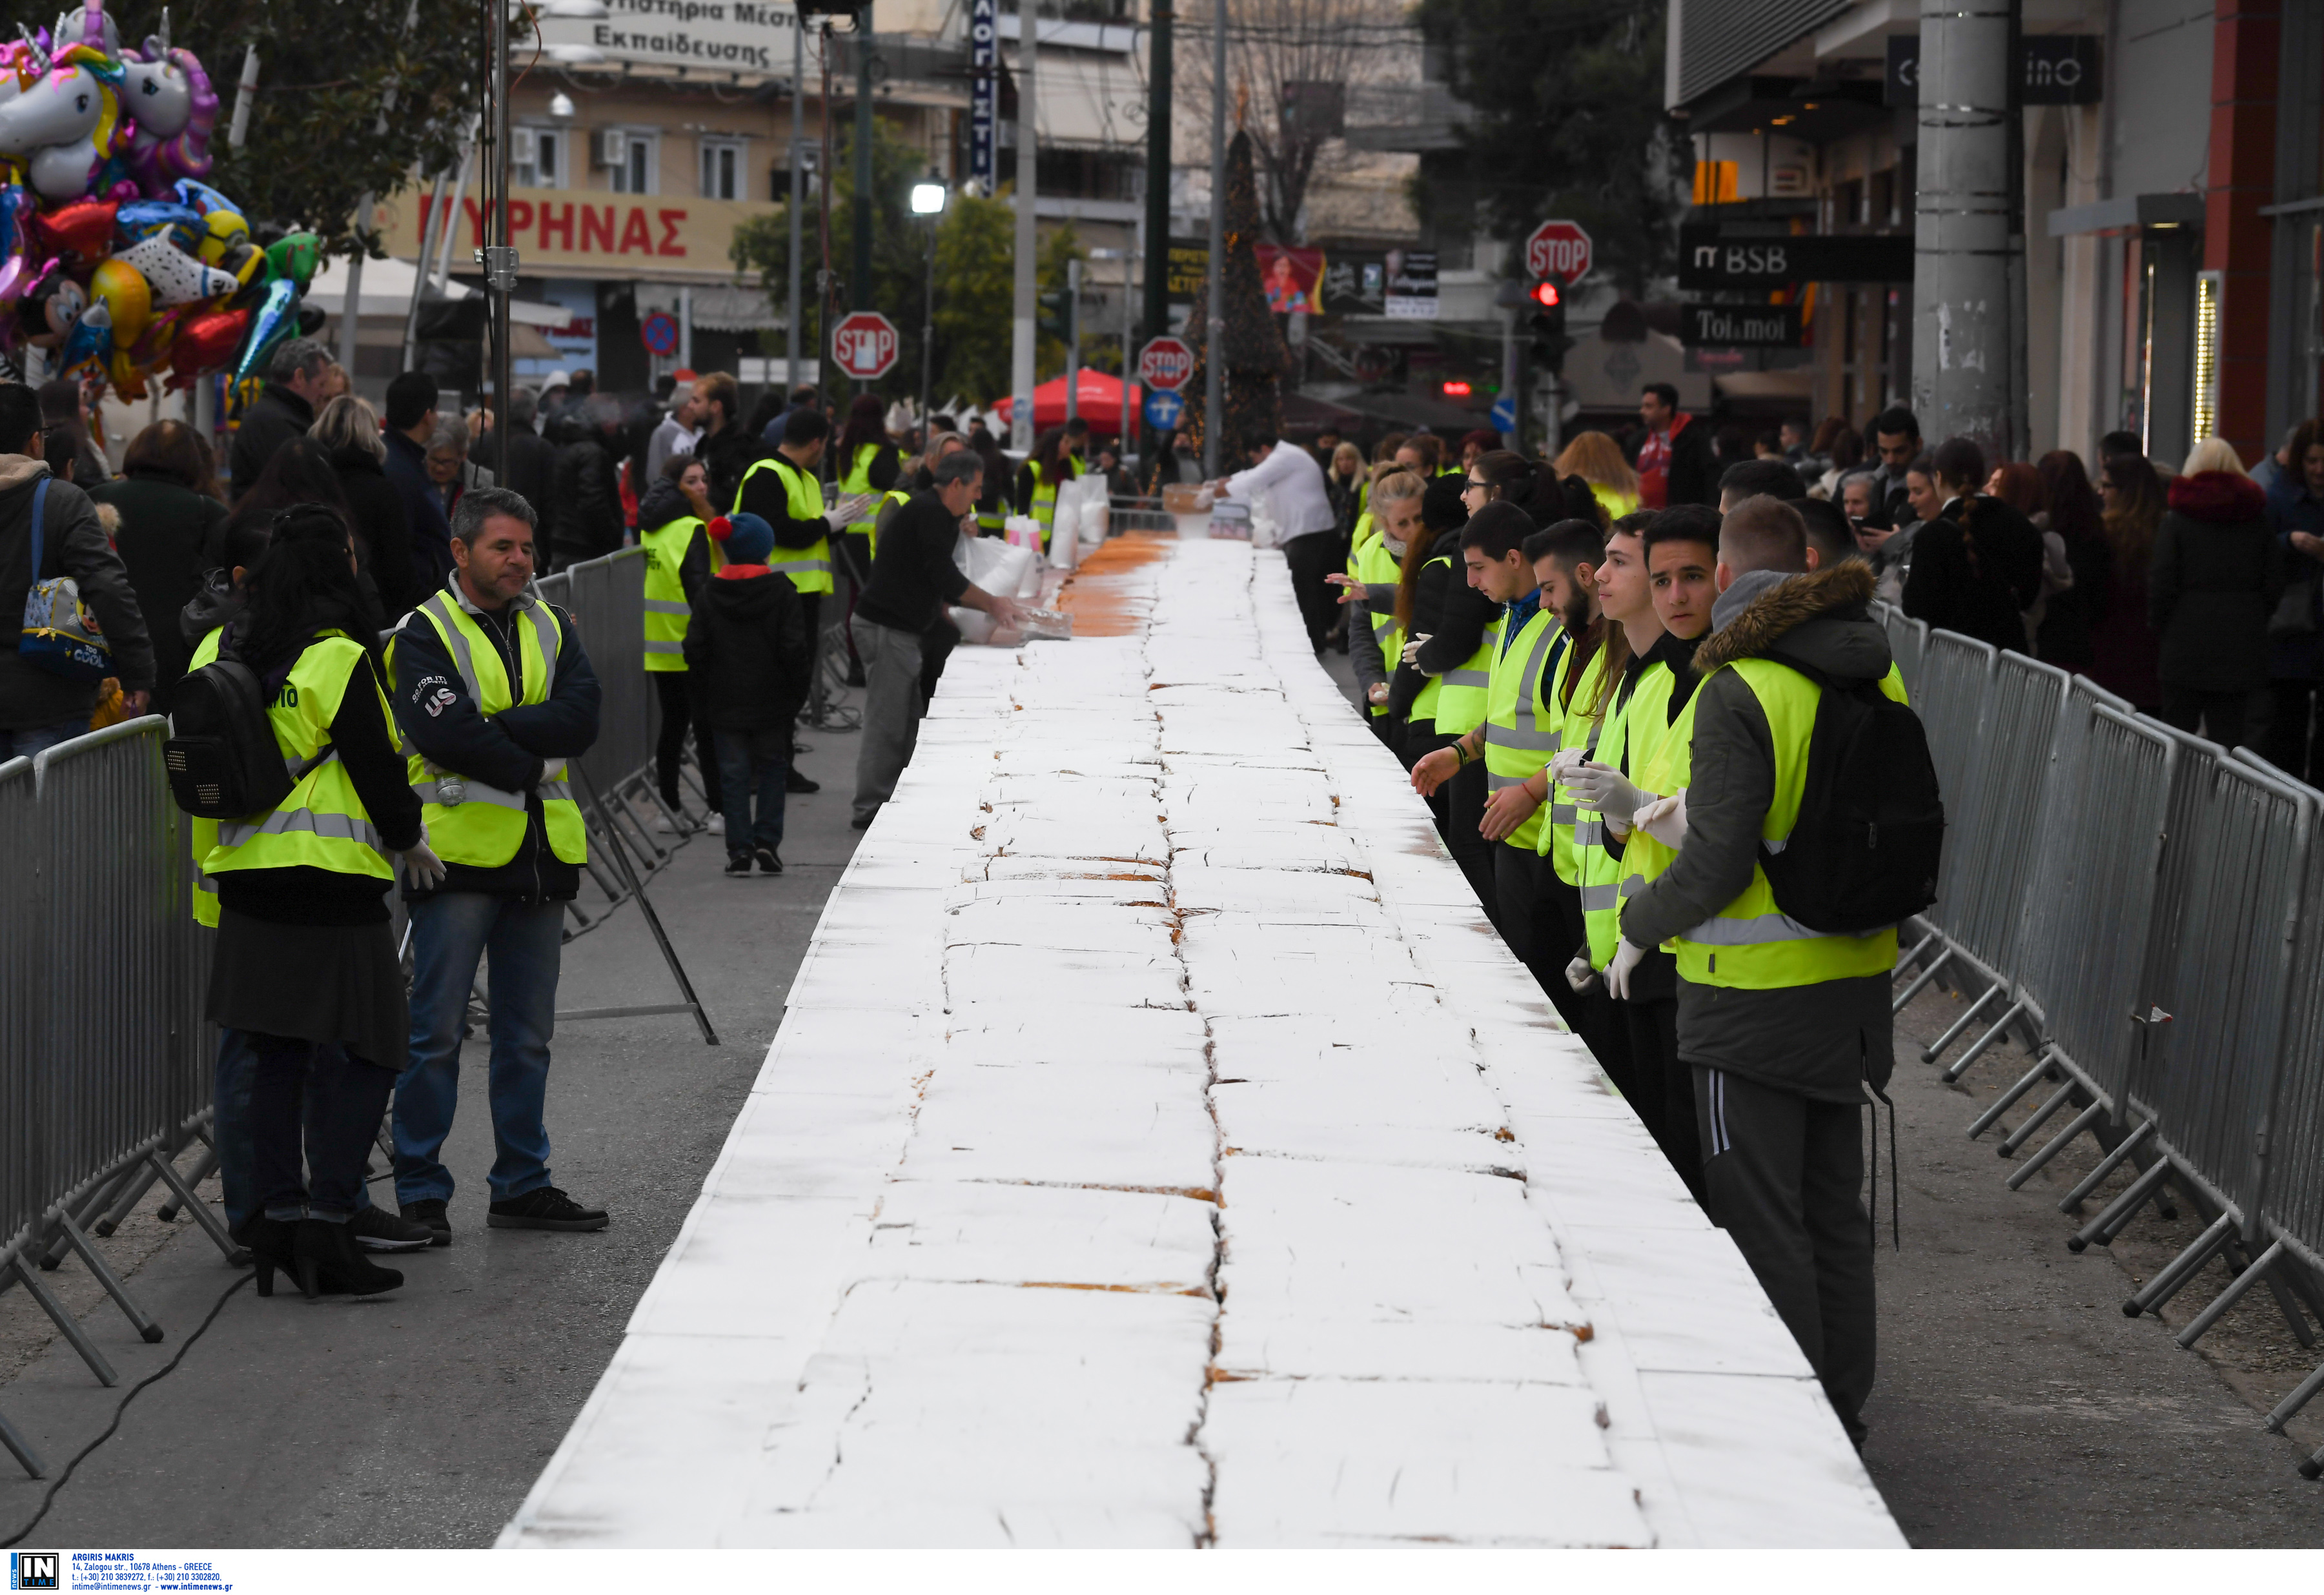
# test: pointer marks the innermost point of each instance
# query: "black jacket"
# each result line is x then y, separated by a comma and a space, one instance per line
1974, 569
279, 416
163, 532
748, 655
727, 456
383, 532
73, 543
1818, 1041
1453, 614
1693, 476
531, 463
585, 519
429, 534
508, 750
2213, 587
913, 577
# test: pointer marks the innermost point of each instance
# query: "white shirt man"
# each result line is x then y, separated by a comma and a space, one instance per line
1294, 484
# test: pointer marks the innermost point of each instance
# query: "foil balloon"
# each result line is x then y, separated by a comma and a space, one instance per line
294, 255
82, 231
205, 343
88, 346
122, 290
275, 318
141, 219
17, 266
50, 124
202, 197
173, 276
52, 307
175, 108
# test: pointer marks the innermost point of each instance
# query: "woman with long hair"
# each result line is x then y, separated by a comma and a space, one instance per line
2078, 520
2123, 649
167, 499
1049, 465
299, 473
305, 971
348, 429
1597, 460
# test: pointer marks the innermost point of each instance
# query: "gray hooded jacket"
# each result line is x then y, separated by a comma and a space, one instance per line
1818, 1041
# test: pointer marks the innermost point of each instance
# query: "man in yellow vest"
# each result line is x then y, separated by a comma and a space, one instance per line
783, 490
1682, 548
493, 694
1520, 735
1784, 1027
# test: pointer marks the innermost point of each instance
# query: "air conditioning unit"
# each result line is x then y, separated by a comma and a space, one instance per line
613, 147
524, 147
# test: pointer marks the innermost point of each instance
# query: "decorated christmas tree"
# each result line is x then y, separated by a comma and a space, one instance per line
1256, 358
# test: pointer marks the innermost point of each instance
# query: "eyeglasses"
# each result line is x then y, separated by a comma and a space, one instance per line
1472, 483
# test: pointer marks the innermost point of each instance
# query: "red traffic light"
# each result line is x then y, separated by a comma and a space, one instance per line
1546, 295
1456, 390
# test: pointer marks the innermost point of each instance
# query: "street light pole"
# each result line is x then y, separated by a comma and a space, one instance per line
928, 201
1215, 321
500, 257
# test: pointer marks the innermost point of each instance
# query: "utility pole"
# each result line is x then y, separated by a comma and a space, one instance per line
798, 194
499, 254
1158, 49
1961, 336
1022, 344
1215, 321
1073, 339
860, 278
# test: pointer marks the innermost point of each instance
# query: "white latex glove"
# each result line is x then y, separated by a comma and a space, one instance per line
1563, 766
1412, 649
1626, 957
1603, 787
421, 868
1663, 819
1581, 976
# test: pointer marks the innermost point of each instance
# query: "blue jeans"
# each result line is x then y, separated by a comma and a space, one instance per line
748, 759
39, 739
230, 1132
312, 1096
449, 933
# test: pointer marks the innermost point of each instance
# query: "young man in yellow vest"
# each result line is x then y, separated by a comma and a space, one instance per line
1518, 736
1681, 550
783, 491
1783, 1027
493, 694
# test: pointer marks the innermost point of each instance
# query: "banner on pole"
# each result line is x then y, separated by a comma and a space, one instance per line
983, 91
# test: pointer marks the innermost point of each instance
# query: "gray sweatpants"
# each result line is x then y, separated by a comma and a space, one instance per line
893, 707
1784, 1174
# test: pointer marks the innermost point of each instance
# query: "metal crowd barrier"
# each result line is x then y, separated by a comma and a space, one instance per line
2149, 913
105, 1056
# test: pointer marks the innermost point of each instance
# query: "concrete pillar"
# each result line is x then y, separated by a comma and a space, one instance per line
2237, 241
1960, 282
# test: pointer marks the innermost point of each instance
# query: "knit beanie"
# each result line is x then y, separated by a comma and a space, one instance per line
749, 539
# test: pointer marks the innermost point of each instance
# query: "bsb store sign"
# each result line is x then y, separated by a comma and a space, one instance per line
588, 233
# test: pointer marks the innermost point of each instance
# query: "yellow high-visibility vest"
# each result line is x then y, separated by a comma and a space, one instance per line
1375, 565
666, 610
1576, 730
809, 569
1520, 736
322, 825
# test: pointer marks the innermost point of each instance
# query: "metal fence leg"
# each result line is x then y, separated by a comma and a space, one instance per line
1977, 1048
2175, 1273
2313, 1468
93, 1201
77, 1238
2040, 1116
2074, 1199
2085, 1120
1931, 1053
2230, 1297
133, 1191
2292, 1316
2289, 1407
2008, 1098
2117, 1212
1920, 982
22, 1449
66, 1324
1919, 947
183, 1189
167, 1211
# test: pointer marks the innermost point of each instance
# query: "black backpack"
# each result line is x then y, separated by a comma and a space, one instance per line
222, 757
1864, 854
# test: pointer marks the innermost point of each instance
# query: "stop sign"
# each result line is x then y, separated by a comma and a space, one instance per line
1559, 251
865, 345
1165, 363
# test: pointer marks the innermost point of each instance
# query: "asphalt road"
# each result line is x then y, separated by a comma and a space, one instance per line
422, 1418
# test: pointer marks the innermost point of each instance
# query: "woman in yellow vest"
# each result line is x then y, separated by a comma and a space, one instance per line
1597, 460
305, 970
1048, 467
865, 462
679, 532
1375, 636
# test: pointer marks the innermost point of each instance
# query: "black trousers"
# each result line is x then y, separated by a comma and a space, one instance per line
679, 711
2222, 716
1464, 811
1785, 1176
1313, 558
1532, 923
2287, 744
321, 1098
1663, 1087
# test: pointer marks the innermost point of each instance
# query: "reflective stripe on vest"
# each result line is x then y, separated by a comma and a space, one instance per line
1751, 944
321, 822
1455, 700
1661, 759
1377, 566
1519, 737
809, 567
1045, 491
1605, 878
666, 610
487, 826
201, 835
1559, 842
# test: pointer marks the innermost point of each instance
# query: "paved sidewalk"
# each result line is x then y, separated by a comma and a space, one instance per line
423, 1418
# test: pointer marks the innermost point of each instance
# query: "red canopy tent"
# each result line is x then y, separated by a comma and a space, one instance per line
1101, 403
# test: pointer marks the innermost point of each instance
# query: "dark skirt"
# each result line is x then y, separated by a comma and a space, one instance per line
318, 982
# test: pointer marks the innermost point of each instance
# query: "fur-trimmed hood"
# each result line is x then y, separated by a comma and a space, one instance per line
2218, 496
1818, 620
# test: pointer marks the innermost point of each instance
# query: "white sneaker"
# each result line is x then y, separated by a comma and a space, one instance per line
718, 825
664, 823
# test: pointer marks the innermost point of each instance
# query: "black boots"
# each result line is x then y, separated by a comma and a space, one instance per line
328, 1260
268, 1241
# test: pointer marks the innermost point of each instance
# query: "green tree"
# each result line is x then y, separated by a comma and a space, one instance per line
310, 151
975, 254
1568, 121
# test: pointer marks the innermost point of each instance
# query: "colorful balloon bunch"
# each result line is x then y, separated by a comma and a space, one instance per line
112, 251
